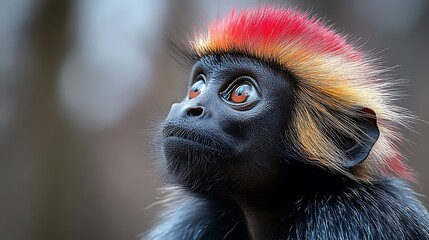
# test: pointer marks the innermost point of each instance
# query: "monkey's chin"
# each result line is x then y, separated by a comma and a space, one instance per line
196, 166
181, 151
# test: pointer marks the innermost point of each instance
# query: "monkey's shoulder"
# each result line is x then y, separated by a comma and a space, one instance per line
385, 210
191, 217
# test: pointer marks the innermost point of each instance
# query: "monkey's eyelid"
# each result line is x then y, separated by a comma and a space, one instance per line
244, 106
242, 79
199, 77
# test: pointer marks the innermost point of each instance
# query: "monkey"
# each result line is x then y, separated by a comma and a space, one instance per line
288, 131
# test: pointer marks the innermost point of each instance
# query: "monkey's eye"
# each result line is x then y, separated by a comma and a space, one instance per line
197, 87
241, 94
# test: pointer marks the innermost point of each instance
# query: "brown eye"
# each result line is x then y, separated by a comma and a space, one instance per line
240, 93
197, 87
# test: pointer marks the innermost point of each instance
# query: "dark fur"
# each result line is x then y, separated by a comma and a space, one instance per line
384, 210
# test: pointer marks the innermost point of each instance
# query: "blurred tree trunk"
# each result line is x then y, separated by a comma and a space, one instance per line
46, 136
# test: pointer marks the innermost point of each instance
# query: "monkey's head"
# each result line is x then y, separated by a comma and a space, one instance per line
272, 85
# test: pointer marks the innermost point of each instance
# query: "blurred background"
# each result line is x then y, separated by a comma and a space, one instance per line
82, 83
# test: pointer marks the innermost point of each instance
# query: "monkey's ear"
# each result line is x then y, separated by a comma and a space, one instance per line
357, 152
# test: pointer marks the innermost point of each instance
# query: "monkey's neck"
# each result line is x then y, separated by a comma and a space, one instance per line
265, 208
262, 224
269, 208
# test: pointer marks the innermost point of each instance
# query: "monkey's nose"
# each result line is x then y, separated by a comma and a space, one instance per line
195, 111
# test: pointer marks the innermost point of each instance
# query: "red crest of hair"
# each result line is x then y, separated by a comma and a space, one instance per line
267, 26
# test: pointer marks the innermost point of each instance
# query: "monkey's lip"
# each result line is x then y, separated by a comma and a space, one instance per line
192, 138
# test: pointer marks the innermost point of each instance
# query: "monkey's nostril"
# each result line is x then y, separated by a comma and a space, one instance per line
195, 111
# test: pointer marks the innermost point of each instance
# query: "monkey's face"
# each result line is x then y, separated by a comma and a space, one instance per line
227, 131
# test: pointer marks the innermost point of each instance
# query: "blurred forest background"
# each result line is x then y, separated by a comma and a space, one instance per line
82, 81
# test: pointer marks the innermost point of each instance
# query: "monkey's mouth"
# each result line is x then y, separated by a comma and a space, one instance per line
180, 137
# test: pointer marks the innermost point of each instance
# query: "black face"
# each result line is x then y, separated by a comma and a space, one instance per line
226, 132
